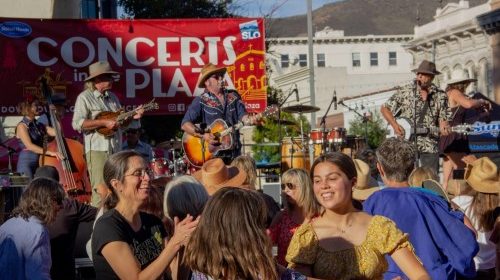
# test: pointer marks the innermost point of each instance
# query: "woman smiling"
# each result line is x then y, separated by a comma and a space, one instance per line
128, 243
343, 242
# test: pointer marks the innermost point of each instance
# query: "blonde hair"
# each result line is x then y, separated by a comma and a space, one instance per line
420, 174
247, 164
306, 199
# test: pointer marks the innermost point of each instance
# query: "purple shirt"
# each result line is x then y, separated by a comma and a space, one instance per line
24, 249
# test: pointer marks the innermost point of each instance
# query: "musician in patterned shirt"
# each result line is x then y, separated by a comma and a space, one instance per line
216, 103
431, 111
97, 98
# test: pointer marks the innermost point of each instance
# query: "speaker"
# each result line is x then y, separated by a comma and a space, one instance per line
273, 190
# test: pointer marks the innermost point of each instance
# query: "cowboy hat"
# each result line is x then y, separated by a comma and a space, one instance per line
427, 67
99, 68
436, 188
459, 76
365, 184
207, 71
214, 174
482, 176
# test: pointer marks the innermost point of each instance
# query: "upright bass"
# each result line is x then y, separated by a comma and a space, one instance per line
72, 168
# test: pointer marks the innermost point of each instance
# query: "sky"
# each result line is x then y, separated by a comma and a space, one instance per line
278, 8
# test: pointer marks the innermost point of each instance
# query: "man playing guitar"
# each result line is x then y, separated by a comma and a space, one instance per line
97, 98
216, 103
431, 110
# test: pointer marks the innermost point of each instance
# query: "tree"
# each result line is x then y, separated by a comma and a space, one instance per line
373, 129
270, 132
141, 9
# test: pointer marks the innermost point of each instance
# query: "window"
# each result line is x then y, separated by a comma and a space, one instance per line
373, 59
356, 59
321, 59
393, 59
285, 61
302, 60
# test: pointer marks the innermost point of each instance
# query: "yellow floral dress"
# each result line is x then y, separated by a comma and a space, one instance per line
365, 261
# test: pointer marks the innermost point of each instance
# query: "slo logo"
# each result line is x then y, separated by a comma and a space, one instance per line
249, 30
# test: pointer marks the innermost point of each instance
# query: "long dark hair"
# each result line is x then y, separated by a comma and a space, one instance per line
38, 200
230, 241
114, 168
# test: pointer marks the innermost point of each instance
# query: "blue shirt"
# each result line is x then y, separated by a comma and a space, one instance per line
142, 148
443, 243
24, 249
206, 108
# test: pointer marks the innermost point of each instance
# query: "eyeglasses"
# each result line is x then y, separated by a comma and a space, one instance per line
142, 173
290, 186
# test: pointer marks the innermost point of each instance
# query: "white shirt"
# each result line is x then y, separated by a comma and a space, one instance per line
485, 258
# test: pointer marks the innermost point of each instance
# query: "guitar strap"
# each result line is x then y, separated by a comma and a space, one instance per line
424, 110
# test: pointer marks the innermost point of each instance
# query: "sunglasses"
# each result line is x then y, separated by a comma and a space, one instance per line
290, 186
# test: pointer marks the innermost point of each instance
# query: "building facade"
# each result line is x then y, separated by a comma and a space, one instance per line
348, 66
455, 40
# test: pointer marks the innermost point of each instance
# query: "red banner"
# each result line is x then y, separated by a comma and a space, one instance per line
158, 59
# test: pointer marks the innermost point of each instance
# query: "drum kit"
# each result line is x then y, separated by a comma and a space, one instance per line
167, 160
299, 152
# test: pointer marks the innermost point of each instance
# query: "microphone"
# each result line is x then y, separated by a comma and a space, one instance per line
334, 100
296, 93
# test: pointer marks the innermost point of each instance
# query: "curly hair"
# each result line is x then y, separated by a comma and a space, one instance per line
230, 241
38, 200
397, 159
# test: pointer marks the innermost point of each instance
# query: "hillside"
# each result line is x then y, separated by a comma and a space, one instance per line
362, 17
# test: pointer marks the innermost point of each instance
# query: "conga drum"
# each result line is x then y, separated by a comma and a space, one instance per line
294, 154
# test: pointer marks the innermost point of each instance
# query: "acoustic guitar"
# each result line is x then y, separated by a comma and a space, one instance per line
121, 117
198, 153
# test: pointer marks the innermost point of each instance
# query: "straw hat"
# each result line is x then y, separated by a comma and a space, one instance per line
365, 184
435, 187
214, 174
427, 67
459, 76
482, 176
207, 71
99, 68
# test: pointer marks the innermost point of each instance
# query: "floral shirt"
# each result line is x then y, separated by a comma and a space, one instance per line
401, 104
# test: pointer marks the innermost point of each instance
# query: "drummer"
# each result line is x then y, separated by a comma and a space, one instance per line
133, 142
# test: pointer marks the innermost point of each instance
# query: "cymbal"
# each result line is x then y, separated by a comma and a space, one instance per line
300, 109
170, 144
284, 122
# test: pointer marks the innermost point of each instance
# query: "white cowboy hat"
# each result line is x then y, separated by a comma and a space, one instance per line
99, 68
459, 76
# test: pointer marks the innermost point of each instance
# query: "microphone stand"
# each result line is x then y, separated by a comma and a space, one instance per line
323, 125
279, 130
11, 153
363, 117
417, 153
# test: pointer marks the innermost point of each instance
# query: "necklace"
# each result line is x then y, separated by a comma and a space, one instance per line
343, 230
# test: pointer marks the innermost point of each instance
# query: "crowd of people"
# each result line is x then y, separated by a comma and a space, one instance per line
381, 215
